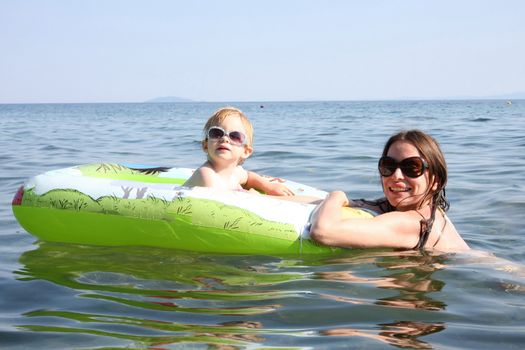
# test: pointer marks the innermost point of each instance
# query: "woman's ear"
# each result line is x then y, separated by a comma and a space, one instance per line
435, 184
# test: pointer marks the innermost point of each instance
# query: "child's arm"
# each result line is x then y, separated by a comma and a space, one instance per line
270, 186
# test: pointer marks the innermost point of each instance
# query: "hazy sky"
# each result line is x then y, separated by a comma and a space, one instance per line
211, 50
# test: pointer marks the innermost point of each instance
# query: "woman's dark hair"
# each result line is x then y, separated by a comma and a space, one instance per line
429, 150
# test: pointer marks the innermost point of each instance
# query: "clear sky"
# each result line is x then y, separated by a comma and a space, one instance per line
267, 50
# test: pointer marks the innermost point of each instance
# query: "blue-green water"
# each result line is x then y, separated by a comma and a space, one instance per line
56, 296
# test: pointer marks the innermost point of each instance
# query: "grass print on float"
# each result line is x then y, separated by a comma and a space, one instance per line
182, 223
209, 213
113, 205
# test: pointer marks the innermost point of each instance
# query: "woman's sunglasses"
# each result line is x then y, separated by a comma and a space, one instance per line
236, 137
412, 167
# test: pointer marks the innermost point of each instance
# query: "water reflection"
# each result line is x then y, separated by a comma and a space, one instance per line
221, 336
157, 290
403, 334
409, 273
161, 277
157, 298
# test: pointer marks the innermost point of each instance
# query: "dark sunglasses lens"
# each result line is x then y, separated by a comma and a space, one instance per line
236, 137
412, 167
215, 133
387, 166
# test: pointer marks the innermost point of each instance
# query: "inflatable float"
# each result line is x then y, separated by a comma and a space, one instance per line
114, 205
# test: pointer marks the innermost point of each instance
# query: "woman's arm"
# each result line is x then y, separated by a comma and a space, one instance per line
394, 229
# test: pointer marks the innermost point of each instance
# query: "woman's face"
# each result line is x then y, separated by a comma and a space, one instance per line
401, 191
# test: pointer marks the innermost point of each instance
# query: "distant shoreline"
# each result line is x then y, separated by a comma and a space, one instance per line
507, 100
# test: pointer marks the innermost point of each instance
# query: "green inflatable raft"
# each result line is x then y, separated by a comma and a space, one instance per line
115, 205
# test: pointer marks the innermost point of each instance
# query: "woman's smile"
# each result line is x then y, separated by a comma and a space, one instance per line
398, 188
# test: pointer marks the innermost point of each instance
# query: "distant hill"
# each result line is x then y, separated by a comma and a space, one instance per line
165, 99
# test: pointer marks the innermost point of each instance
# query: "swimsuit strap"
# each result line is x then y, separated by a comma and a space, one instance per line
425, 227
424, 232
440, 234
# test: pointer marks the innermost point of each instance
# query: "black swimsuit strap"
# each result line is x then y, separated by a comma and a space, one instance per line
425, 227
424, 233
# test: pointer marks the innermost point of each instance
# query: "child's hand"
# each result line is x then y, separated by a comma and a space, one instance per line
276, 188
272, 186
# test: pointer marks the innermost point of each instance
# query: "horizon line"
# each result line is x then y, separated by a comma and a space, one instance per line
281, 101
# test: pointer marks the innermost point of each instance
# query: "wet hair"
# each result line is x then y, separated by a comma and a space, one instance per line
429, 150
225, 112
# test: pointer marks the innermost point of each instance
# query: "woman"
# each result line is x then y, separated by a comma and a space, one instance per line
412, 214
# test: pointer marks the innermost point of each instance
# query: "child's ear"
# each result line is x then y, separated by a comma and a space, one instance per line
204, 144
248, 150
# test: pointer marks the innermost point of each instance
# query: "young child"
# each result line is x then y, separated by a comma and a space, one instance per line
228, 140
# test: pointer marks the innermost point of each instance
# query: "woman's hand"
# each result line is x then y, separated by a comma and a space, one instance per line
327, 218
338, 197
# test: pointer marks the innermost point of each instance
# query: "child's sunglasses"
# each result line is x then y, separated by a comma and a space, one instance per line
412, 167
236, 137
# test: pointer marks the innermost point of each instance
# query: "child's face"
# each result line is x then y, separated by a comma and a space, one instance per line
223, 149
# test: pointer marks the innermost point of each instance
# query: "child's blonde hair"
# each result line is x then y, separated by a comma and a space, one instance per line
223, 113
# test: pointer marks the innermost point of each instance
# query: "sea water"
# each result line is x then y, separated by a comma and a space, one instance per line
59, 296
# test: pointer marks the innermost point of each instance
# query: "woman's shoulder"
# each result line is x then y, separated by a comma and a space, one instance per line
447, 237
